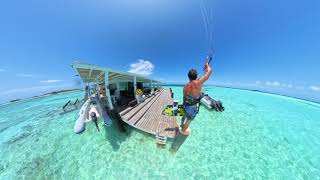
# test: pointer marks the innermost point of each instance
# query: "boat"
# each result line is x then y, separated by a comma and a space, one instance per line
210, 103
80, 124
108, 92
91, 111
126, 99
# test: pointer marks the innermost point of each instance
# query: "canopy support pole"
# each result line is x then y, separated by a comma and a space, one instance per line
118, 89
106, 83
151, 87
135, 88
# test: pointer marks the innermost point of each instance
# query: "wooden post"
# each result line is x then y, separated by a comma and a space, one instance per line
179, 140
106, 83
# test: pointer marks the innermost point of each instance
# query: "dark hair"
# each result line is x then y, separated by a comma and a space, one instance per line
192, 74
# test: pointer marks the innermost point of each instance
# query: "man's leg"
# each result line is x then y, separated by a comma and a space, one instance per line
186, 126
182, 120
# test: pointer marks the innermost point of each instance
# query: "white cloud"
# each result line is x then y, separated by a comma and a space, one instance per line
2, 70
274, 83
142, 67
315, 88
286, 85
24, 75
51, 81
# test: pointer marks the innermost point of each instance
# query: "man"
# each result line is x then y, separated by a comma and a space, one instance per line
171, 93
191, 95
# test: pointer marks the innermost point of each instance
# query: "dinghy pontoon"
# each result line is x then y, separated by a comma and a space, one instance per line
210, 103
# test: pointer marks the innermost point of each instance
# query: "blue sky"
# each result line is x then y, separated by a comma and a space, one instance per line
269, 45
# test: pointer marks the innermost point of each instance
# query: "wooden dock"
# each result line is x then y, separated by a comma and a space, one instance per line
147, 116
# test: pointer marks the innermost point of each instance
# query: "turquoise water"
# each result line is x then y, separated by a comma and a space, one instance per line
259, 136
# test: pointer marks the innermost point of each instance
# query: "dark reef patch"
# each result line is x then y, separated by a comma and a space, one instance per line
33, 169
18, 138
1, 168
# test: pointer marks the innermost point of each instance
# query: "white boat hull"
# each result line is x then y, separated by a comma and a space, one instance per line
103, 113
210, 103
206, 102
83, 115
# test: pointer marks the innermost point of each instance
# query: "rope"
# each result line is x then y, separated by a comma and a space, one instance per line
208, 23
204, 19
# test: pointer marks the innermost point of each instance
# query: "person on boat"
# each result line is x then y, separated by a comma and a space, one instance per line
192, 95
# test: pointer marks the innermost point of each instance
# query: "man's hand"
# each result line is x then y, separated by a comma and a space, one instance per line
208, 70
206, 65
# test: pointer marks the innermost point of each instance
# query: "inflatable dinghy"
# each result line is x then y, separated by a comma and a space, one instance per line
83, 115
210, 103
91, 110
106, 119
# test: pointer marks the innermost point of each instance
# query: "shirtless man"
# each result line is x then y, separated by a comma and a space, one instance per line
191, 95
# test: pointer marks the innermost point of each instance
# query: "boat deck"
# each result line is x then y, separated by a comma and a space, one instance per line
147, 116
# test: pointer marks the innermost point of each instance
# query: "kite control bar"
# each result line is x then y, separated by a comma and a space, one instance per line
210, 56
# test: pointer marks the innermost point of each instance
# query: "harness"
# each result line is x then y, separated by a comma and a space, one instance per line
192, 101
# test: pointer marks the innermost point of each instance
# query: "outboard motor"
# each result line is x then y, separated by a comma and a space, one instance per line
217, 105
214, 105
210, 103
94, 119
221, 108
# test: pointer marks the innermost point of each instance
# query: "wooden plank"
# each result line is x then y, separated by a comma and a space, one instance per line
143, 111
149, 122
127, 115
123, 112
148, 116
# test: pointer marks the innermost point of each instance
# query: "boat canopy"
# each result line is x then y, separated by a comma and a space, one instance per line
93, 73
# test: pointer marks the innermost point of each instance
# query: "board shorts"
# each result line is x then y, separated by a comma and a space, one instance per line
190, 111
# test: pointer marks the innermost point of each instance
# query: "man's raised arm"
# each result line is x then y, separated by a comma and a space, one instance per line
206, 76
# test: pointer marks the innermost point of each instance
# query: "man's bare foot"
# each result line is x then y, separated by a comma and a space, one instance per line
185, 132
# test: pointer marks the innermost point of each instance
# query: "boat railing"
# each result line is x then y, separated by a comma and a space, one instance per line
73, 106
77, 101
67, 104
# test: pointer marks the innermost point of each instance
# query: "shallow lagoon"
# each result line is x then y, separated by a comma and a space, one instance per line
258, 136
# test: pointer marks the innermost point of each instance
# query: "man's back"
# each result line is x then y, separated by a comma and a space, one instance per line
193, 88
